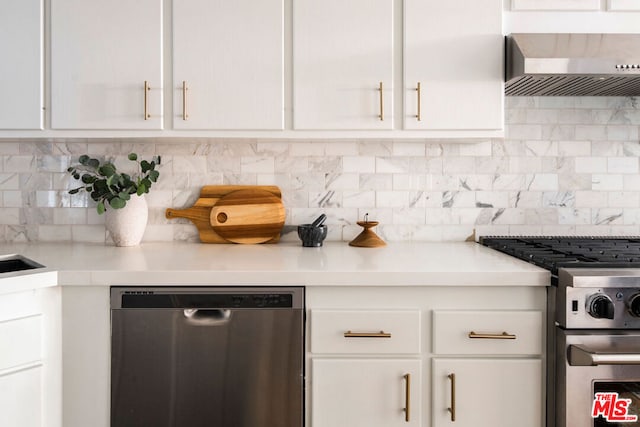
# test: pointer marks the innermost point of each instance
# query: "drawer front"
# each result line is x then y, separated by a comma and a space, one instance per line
21, 397
487, 332
361, 332
20, 341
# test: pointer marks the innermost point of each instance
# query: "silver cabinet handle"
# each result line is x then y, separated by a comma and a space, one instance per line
407, 396
381, 89
452, 408
185, 116
582, 356
146, 100
502, 336
381, 334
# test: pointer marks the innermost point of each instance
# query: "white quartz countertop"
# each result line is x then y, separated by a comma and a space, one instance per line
334, 264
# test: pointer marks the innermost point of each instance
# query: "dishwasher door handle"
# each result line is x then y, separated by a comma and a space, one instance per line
207, 316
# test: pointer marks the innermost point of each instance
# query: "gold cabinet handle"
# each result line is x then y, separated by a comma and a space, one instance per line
146, 100
452, 408
502, 336
185, 116
407, 396
419, 95
380, 89
381, 334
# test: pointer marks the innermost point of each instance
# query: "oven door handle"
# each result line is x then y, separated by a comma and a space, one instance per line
582, 356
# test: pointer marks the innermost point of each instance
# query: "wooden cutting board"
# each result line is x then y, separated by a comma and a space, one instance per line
248, 216
200, 212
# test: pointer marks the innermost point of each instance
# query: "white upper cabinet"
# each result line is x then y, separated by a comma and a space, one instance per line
21, 64
343, 64
454, 50
228, 64
106, 64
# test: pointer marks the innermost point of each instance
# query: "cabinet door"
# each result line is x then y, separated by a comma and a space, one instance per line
21, 65
102, 52
229, 54
454, 49
365, 392
21, 398
487, 392
342, 52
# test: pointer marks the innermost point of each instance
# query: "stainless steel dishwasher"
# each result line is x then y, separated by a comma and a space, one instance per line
224, 357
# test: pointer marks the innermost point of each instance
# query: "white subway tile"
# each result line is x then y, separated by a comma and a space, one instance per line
574, 148
392, 199
257, 165
359, 199
623, 199
54, 233
12, 199
591, 132
622, 165
10, 216
344, 181
88, 233
542, 182
362, 164
411, 148
307, 148
602, 182
591, 199
591, 164
189, 164
64, 216
607, 216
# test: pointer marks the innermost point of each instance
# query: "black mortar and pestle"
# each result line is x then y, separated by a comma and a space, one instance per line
313, 234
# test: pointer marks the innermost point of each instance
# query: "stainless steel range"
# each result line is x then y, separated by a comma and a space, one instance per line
593, 326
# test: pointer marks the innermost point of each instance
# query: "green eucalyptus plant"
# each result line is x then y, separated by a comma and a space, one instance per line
107, 186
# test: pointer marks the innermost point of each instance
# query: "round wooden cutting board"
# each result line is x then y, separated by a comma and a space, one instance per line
248, 216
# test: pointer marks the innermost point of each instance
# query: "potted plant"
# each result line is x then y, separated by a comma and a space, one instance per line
119, 195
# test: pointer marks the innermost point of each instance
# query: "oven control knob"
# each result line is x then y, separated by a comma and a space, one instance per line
634, 305
600, 306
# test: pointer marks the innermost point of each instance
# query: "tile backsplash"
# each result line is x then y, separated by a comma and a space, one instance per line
567, 165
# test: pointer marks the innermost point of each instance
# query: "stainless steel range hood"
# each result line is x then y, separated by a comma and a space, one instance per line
573, 65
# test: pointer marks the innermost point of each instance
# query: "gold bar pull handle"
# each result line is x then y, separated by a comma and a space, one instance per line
419, 95
185, 116
381, 90
146, 100
407, 396
452, 408
381, 334
502, 336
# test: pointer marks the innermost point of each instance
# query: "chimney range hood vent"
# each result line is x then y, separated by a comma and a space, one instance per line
573, 65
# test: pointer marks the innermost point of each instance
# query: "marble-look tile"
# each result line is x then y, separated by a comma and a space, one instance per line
607, 216
359, 199
591, 164
563, 199
591, 199
622, 165
359, 164
603, 182
574, 148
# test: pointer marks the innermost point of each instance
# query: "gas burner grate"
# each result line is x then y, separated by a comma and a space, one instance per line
553, 252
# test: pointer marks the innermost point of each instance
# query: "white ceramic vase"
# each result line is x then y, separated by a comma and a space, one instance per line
126, 226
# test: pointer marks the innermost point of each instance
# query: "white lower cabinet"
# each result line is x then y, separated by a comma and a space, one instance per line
30, 365
367, 392
21, 398
497, 392
475, 354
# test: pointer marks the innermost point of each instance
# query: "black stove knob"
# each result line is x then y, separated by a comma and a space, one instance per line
634, 305
600, 306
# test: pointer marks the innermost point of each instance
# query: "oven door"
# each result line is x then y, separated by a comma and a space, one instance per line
598, 378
